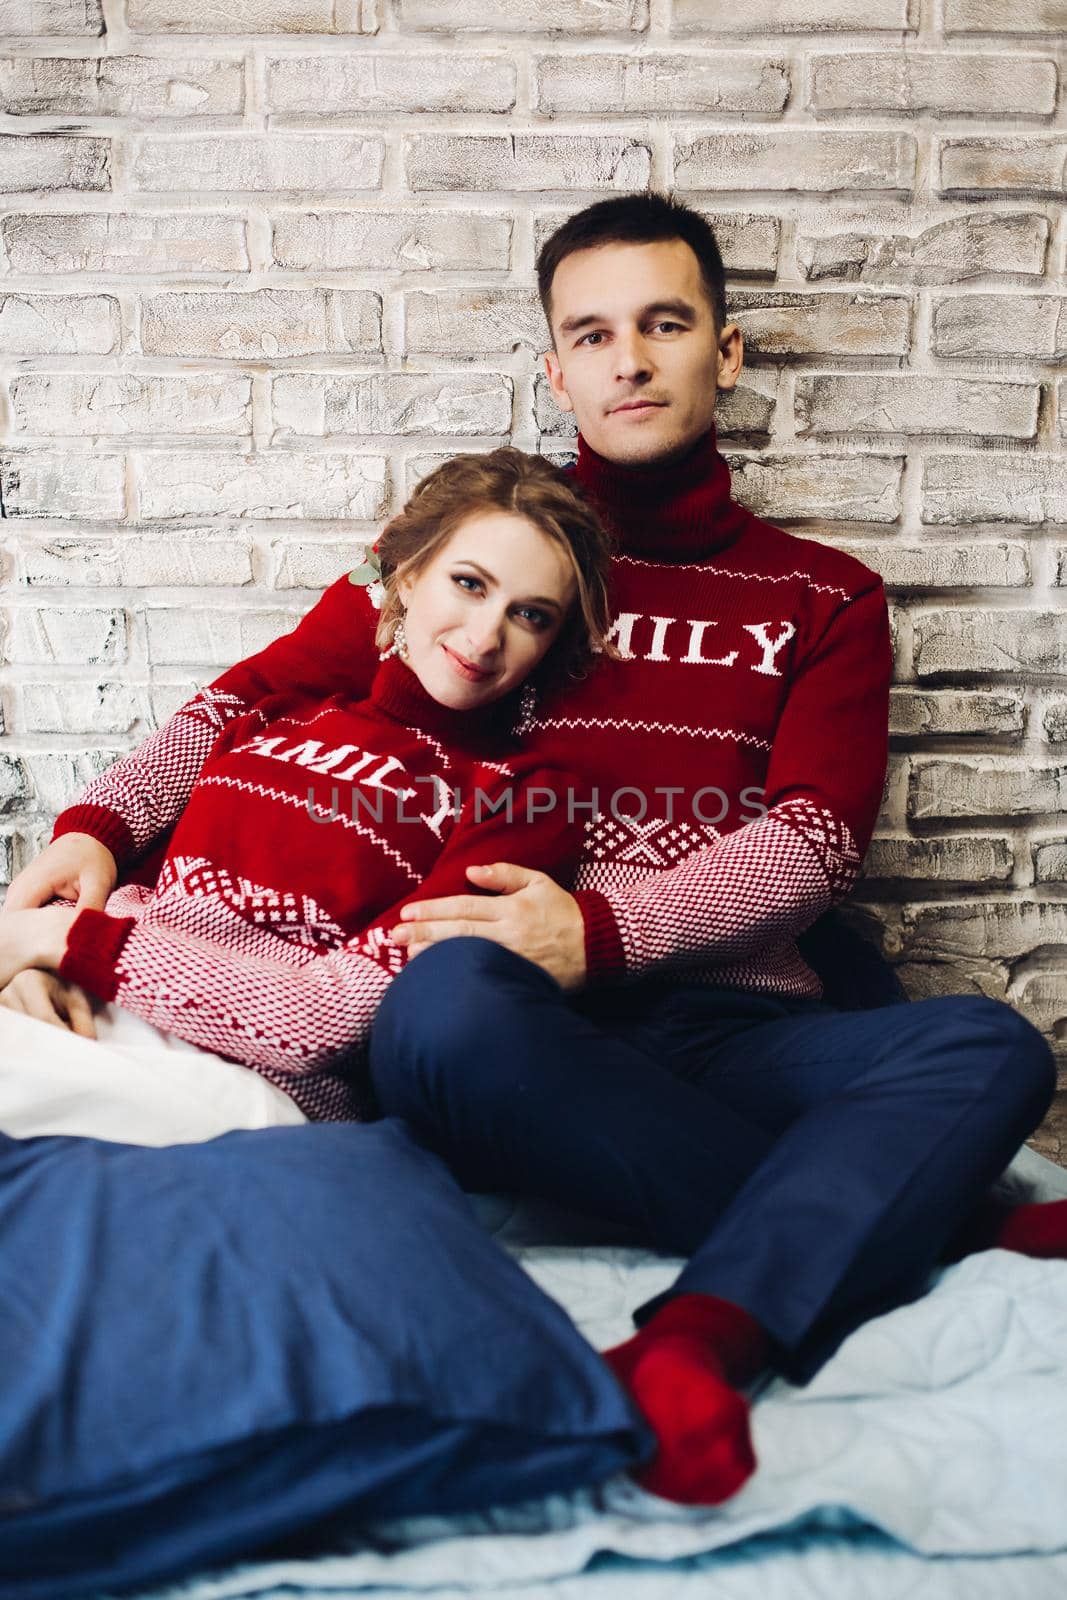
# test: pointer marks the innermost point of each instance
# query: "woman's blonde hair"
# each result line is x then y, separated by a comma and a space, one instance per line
524, 485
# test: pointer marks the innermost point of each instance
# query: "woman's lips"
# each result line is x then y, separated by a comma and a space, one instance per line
466, 670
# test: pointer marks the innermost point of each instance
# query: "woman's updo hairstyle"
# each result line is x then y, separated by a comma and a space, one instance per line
525, 485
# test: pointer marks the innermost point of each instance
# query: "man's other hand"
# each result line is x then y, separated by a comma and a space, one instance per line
528, 913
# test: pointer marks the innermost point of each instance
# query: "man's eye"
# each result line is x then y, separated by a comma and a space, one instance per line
668, 325
586, 337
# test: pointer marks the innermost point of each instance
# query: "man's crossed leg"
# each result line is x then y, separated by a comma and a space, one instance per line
812, 1164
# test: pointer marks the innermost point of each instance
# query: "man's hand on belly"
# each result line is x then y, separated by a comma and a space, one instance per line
529, 913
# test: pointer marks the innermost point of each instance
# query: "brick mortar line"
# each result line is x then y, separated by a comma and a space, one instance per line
1037, 126
385, 281
604, 124
210, 48
909, 219
124, 39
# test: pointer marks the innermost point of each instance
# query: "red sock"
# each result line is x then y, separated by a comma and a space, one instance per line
1035, 1230
680, 1370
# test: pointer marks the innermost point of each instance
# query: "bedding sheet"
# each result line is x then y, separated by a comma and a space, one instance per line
132, 1084
927, 1459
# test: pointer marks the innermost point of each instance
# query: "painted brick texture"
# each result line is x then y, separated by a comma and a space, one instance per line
263, 264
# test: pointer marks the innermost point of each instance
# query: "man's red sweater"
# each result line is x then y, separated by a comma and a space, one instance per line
751, 720
310, 823
738, 750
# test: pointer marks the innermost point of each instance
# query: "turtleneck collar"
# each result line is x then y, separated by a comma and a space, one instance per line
397, 692
673, 511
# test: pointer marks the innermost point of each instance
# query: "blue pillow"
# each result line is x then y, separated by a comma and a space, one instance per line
211, 1347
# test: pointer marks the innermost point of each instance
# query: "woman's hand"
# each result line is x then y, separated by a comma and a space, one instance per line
33, 939
73, 867
48, 998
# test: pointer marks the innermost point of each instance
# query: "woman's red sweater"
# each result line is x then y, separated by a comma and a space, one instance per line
309, 823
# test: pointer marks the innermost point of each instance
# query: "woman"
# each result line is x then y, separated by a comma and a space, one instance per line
252, 967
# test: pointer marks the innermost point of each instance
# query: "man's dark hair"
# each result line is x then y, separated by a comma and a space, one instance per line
634, 219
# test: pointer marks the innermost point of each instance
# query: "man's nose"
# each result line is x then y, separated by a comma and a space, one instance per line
631, 357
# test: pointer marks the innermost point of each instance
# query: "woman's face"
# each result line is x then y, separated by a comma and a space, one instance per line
485, 609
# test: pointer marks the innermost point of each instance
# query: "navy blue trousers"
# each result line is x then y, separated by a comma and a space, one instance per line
811, 1163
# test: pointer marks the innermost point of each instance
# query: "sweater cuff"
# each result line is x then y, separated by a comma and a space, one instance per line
94, 944
605, 958
104, 825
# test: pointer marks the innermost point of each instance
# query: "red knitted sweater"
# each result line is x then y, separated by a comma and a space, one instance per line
309, 824
751, 718
750, 713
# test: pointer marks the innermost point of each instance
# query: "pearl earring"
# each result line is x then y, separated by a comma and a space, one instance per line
399, 646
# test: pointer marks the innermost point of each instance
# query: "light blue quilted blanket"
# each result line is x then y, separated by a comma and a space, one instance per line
928, 1459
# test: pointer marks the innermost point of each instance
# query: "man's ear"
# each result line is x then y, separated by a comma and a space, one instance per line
731, 356
556, 383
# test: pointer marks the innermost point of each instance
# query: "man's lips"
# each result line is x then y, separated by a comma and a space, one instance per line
465, 668
639, 405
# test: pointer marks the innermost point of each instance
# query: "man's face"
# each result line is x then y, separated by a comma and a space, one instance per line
637, 356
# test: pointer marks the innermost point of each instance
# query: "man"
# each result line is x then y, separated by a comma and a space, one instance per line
653, 1047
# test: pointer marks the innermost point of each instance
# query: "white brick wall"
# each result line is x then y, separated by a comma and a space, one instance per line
263, 262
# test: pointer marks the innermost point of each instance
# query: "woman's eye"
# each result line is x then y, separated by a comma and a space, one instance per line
539, 619
463, 579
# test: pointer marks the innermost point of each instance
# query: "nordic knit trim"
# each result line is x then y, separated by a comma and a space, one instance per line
105, 825
94, 946
605, 953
